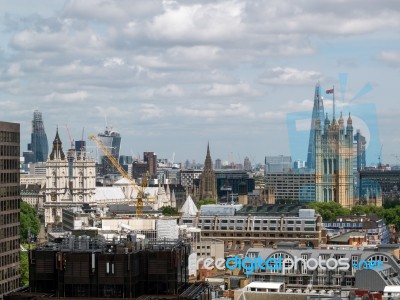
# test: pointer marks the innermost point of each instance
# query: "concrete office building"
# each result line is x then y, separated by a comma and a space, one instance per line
9, 207
292, 186
240, 231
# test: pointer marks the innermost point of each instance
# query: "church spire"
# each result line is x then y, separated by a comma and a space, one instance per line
57, 152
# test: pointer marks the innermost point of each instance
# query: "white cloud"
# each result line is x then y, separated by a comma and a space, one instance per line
75, 97
218, 90
202, 22
217, 111
289, 76
391, 57
149, 111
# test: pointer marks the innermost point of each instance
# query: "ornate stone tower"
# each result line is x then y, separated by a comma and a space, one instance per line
65, 189
208, 188
56, 182
334, 161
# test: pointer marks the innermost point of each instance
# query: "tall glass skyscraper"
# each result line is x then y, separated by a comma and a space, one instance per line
39, 144
112, 141
317, 113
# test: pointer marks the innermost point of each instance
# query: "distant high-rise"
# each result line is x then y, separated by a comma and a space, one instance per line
247, 164
218, 164
39, 144
317, 113
208, 188
277, 164
112, 141
359, 151
9, 209
151, 159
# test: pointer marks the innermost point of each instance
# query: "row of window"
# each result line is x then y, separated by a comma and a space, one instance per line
6, 205
9, 177
9, 150
9, 286
9, 232
9, 137
9, 164
224, 221
9, 191
9, 245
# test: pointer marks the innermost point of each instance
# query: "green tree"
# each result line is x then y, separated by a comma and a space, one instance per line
169, 211
205, 202
29, 222
24, 266
329, 210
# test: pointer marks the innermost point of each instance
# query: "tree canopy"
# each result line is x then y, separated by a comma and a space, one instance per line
205, 202
169, 211
329, 211
29, 222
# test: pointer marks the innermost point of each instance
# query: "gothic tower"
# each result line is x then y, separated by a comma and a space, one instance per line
334, 161
56, 182
63, 190
208, 188
317, 114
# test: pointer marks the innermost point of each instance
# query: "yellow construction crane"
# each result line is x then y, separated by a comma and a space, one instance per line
113, 160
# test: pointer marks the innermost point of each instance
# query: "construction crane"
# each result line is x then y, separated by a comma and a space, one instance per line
113, 160
71, 140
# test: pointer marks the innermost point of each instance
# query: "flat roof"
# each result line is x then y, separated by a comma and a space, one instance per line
391, 289
264, 285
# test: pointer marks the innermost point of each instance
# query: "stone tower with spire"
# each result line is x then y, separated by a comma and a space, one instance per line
67, 189
334, 161
208, 189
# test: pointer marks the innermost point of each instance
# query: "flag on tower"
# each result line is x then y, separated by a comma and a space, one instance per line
330, 91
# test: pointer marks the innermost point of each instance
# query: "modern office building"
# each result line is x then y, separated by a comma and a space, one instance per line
112, 141
263, 226
386, 182
9, 207
247, 164
237, 182
38, 149
278, 163
218, 164
92, 268
188, 176
151, 159
359, 159
317, 114
292, 186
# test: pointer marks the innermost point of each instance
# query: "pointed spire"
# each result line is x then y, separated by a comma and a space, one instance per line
57, 152
173, 199
349, 121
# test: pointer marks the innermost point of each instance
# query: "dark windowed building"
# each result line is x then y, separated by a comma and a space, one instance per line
9, 207
39, 144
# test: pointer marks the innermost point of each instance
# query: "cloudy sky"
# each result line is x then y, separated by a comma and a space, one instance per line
172, 75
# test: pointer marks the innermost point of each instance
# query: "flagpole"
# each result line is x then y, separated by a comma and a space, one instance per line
333, 102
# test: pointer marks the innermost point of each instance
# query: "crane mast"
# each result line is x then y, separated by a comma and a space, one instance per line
121, 170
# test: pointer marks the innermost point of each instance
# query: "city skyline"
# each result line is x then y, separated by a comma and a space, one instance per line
171, 76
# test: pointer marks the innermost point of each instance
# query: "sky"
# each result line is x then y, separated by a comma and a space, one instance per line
171, 76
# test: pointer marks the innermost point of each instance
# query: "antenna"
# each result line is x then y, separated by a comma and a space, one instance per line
334, 116
379, 157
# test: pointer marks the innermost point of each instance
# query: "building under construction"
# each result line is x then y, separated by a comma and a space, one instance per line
83, 267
